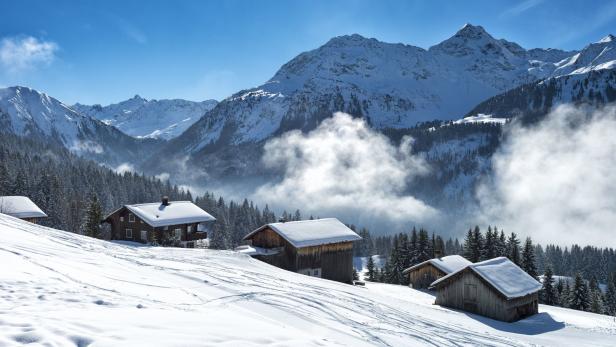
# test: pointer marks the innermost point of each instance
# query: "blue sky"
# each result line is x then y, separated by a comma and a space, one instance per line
108, 51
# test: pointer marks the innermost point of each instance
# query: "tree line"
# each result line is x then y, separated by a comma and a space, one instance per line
77, 193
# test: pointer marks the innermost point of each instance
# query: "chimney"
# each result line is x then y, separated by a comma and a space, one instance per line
165, 201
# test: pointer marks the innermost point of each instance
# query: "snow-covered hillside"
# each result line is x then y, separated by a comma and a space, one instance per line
138, 117
61, 289
27, 112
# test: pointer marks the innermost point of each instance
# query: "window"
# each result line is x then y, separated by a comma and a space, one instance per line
177, 233
121, 218
144, 235
189, 229
129, 233
131, 218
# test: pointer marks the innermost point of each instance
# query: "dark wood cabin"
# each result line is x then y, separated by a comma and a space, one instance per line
320, 248
168, 223
21, 207
495, 288
423, 274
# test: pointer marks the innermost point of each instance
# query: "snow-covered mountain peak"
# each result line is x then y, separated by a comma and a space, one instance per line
596, 56
606, 39
142, 118
349, 40
472, 31
28, 112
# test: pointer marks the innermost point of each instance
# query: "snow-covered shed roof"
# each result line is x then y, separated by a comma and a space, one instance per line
448, 264
502, 274
157, 214
20, 207
307, 233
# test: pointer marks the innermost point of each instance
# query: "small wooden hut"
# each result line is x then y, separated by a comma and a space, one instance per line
169, 223
423, 274
21, 207
495, 288
321, 247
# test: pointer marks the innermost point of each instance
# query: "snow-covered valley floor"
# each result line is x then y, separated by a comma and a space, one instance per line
62, 289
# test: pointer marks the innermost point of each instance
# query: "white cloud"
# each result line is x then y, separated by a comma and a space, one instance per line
521, 7
345, 169
22, 53
124, 167
86, 146
556, 181
163, 176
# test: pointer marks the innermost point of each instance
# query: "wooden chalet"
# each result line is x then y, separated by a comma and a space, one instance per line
495, 288
21, 207
169, 223
321, 247
423, 274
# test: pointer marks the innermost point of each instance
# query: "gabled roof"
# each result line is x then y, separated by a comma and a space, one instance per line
448, 264
20, 207
309, 233
176, 212
502, 274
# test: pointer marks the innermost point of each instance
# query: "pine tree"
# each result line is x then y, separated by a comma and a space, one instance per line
423, 246
513, 249
490, 246
371, 275
610, 297
94, 216
548, 292
469, 241
501, 244
477, 250
528, 258
566, 295
578, 299
595, 296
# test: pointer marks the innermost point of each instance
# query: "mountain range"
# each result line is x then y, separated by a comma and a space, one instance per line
398, 89
141, 118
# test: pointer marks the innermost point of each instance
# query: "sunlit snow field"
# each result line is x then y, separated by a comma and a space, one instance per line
62, 289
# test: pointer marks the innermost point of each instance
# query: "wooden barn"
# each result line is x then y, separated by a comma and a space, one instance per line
423, 274
21, 207
321, 247
169, 223
495, 288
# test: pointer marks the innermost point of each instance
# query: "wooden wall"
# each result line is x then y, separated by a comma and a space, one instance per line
423, 276
471, 293
334, 261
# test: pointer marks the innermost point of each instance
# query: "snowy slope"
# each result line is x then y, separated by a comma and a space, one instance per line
58, 288
139, 117
27, 112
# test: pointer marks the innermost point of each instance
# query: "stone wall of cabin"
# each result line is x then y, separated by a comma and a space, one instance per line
470, 293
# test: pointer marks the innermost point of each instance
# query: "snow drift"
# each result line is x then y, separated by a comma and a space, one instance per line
62, 289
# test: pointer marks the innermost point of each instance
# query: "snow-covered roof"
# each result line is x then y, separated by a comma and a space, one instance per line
176, 212
20, 207
502, 274
309, 233
448, 264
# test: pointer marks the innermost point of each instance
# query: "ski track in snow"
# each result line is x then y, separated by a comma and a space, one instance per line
59, 288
